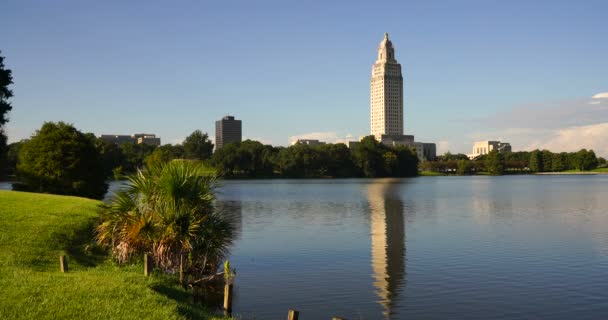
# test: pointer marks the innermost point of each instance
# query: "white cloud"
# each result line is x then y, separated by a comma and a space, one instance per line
328, 137
566, 139
443, 147
601, 95
260, 140
575, 138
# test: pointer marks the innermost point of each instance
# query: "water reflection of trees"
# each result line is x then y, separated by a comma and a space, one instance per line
387, 241
234, 211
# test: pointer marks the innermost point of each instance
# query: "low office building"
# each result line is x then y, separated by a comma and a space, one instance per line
485, 147
309, 142
139, 138
228, 130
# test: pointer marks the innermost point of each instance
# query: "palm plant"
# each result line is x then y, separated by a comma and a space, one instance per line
168, 211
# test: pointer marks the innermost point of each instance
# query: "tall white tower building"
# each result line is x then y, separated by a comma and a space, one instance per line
386, 93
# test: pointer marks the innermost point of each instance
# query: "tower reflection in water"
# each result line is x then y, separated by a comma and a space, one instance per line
388, 241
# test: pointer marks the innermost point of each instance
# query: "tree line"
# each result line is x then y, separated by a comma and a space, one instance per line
369, 158
60, 159
498, 163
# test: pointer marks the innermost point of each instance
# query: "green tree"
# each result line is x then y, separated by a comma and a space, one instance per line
464, 167
547, 160
168, 211
60, 159
248, 158
601, 161
559, 162
299, 161
336, 160
197, 146
164, 153
584, 160
6, 79
134, 155
452, 157
494, 163
111, 155
368, 156
536, 162
13, 157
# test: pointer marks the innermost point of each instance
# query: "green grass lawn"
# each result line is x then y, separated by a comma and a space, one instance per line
35, 229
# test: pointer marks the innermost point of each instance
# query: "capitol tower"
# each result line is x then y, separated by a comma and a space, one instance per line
386, 93
386, 114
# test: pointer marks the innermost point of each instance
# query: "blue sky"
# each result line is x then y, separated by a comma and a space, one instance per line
472, 69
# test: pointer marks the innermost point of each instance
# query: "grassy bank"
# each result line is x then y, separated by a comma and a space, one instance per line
35, 229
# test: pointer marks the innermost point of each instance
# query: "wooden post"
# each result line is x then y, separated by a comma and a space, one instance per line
228, 299
63, 262
292, 314
181, 269
148, 265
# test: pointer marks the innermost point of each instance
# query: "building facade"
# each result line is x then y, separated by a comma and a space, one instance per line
309, 142
139, 138
386, 112
484, 147
227, 130
386, 93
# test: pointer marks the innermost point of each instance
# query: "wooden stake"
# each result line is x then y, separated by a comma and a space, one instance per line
148, 265
181, 269
228, 299
292, 314
63, 262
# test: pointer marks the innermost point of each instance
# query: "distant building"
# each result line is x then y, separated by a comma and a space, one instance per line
484, 147
227, 130
139, 138
148, 139
118, 139
309, 142
386, 112
352, 144
386, 93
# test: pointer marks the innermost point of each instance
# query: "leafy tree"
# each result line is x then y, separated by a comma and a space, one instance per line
13, 157
494, 163
368, 156
164, 153
559, 162
248, 158
168, 211
197, 146
111, 156
584, 160
536, 161
134, 155
60, 159
547, 160
300, 161
464, 167
601, 161
6, 79
336, 160
453, 157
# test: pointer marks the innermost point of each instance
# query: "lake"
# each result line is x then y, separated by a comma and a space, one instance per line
507, 247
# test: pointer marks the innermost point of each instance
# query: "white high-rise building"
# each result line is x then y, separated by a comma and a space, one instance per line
386, 93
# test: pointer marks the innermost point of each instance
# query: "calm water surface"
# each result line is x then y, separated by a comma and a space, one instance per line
423, 248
